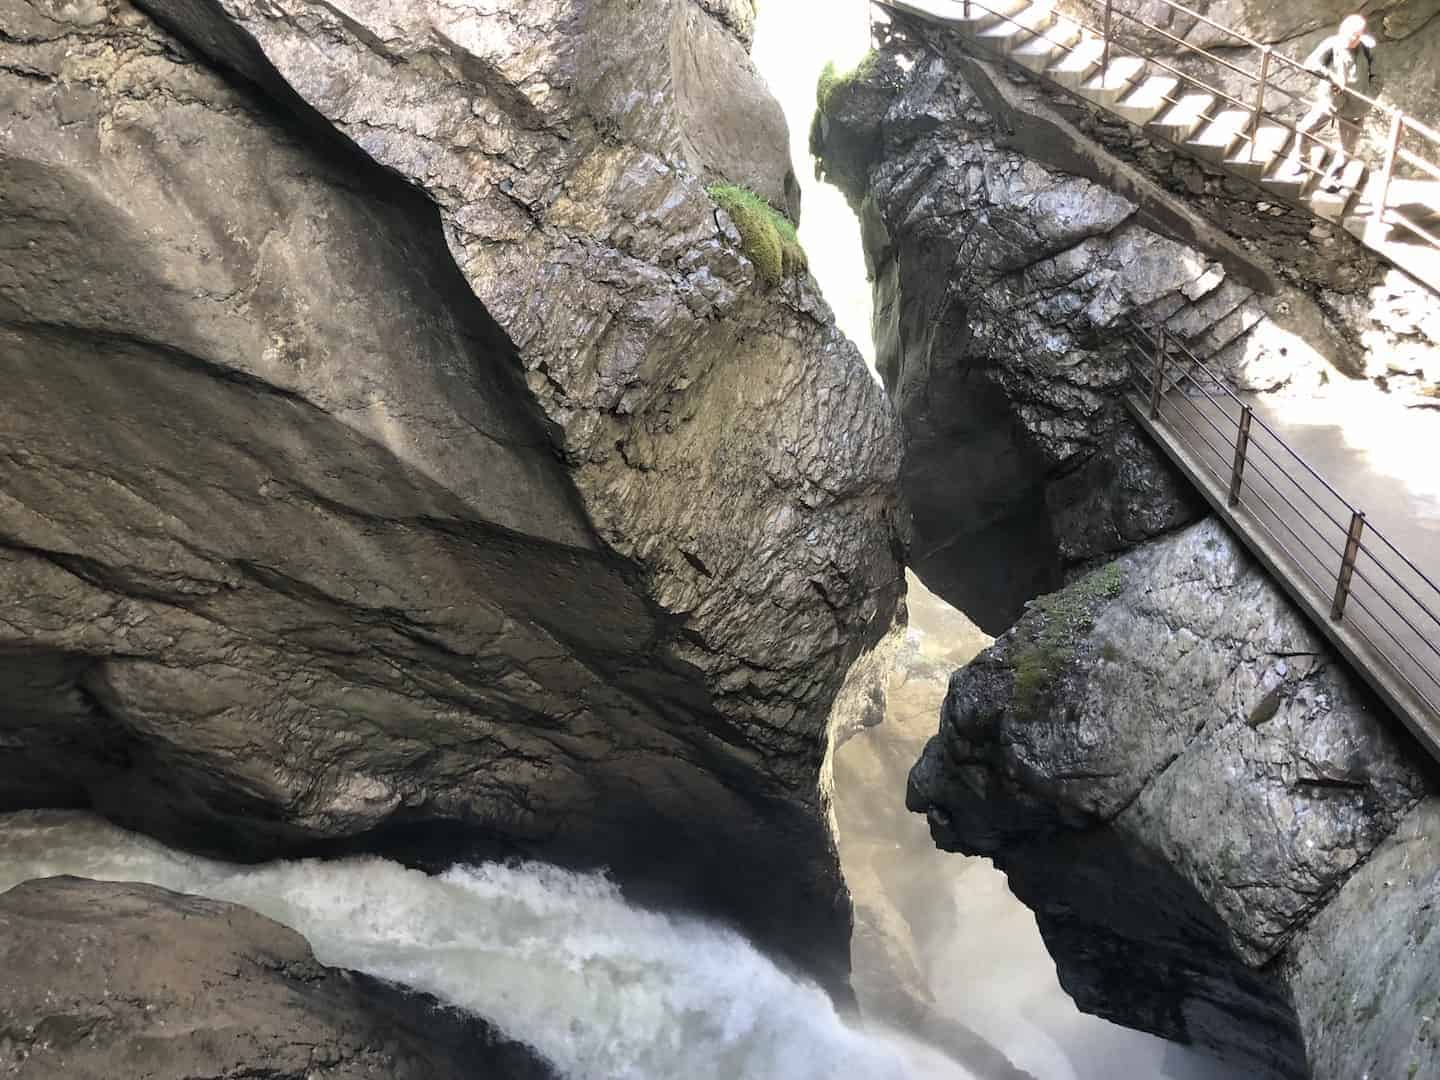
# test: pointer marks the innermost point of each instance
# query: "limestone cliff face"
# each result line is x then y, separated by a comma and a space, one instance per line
1225, 840
230, 994
395, 438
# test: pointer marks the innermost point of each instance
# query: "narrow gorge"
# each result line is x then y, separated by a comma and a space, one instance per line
453, 565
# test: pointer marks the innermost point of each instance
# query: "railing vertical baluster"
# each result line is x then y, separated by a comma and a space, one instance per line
1347, 565
966, 8
1382, 188
1242, 444
1259, 109
1105, 48
1159, 375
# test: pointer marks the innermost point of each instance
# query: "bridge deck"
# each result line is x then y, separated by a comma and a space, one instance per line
1296, 527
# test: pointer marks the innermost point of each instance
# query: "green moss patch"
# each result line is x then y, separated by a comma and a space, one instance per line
767, 236
831, 80
1068, 615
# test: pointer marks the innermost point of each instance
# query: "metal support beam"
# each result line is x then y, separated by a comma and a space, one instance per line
1242, 444
1259, 109
1105, 48
1158, 377
1382, 186
1347, 565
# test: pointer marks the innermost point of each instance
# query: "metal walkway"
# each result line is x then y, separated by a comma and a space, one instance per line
1098, 51
1378, 605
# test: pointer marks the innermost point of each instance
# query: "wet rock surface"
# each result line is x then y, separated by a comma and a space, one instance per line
1179, 780
1002, 294
400, 455
105, 979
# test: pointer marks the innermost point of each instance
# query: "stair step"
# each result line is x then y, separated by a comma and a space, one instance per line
1333, 204
1109, 86
1149, 99
1286, 179
1198, 316
1189, 113
1037, 53
993, 12
1018, 29
1255, 155
1228, 330
977, 18
1076, 66
1215, 140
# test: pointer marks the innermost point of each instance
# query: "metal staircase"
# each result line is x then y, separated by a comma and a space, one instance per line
1392, 205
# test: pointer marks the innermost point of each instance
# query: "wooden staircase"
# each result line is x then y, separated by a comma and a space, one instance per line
1179, 109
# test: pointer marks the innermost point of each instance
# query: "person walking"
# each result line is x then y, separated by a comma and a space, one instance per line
1345, 60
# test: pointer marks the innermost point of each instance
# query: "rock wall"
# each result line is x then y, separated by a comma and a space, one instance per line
1200, 805
400, 454
1002, 290
230, 994
1202, 809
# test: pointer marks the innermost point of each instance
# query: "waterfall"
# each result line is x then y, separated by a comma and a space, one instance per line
555, 959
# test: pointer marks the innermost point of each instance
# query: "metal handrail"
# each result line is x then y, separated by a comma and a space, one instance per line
1389, 110
1381, 210
1408, 599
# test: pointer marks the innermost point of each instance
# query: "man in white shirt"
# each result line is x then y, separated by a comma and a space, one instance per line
1345, 60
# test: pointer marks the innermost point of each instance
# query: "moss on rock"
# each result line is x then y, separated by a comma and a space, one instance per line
831, 80
1068, 615
767, 237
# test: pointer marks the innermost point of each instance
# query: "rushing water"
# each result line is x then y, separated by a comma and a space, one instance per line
555, 959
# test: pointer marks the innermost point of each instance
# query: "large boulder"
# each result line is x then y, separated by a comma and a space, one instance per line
1179, 777
106, 979
310, 536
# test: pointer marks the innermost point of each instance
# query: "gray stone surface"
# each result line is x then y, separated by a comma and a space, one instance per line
307, 536
1178, 777
1002, 290
1366, 972
106, 980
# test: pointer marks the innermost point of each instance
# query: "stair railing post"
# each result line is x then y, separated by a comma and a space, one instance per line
1105, 48
965, 7
1158, 376
1242, 444
1347, 565
1382, 186
1259, 97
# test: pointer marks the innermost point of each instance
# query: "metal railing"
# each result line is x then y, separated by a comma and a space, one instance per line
1385, 209
1399, 126
1366, 595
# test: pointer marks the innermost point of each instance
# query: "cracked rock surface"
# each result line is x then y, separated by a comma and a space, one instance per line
399, 454
230, 994
1001, 290
1180, 780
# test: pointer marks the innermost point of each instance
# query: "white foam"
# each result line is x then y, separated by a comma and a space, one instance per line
555, 959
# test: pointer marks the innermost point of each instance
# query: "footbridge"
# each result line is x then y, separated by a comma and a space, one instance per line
1366, 578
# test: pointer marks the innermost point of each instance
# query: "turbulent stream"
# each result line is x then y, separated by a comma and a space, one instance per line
555, 959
